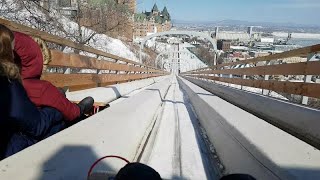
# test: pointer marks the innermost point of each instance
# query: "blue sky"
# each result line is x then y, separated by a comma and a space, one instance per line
280, 11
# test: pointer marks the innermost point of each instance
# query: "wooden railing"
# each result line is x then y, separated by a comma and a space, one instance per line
119, 69
75, 81
228, 74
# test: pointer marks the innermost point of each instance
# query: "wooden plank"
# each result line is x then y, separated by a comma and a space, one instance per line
299, 88
59, 59
135, 76
303, 68
84, 81
67, 80
138, 69
58, 40
119, 67
155, 71
79, 61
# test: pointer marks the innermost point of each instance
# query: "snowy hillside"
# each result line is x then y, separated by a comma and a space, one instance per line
30, 14
159, 46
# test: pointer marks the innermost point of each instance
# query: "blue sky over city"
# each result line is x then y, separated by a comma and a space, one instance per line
280, 11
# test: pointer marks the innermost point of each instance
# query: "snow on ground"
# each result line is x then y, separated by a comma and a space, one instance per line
160, 46
59, 25
190, 60
113, 46
179, 151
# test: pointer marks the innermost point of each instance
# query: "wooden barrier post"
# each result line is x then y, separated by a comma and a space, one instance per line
266, 91
230, 76
67, 71
266, 78
243, 77
307, 78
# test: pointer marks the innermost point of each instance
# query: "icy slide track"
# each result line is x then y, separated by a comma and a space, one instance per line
169, 125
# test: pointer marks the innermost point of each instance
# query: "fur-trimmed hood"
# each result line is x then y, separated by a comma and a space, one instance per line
29, 55
9, 70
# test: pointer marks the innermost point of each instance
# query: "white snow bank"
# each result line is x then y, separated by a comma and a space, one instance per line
160, 47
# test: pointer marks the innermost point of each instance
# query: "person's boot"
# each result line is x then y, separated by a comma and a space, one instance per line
86, 105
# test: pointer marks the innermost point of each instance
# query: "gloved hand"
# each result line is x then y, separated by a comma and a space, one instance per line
86, 105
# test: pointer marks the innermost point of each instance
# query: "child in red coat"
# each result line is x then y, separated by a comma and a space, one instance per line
43, 93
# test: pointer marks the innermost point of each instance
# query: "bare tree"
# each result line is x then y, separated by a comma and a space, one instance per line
11, 9
106, 16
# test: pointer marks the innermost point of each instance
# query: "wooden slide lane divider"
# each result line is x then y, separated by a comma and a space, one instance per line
302, 68
298, 88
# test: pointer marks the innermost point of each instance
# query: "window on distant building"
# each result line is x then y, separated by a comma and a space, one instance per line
65, 3
73, 13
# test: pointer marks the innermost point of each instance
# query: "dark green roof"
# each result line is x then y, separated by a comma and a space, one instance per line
166, 14
161, 18
165, 11
155, 8
158, 19
139, 17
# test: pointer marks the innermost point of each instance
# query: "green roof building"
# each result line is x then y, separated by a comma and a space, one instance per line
151, 22
160, 17
155, 9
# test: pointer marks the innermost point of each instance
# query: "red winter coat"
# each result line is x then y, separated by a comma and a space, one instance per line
42, 93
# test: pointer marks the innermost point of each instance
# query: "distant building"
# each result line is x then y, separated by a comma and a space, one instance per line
147, 23
233, 36
236, 36
239, 48
223, 45
269, 40
68, 8
256, 54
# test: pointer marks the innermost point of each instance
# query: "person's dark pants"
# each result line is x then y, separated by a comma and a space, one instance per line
19, 141
55, 129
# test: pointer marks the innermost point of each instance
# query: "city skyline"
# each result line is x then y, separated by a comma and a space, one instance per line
277, 11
